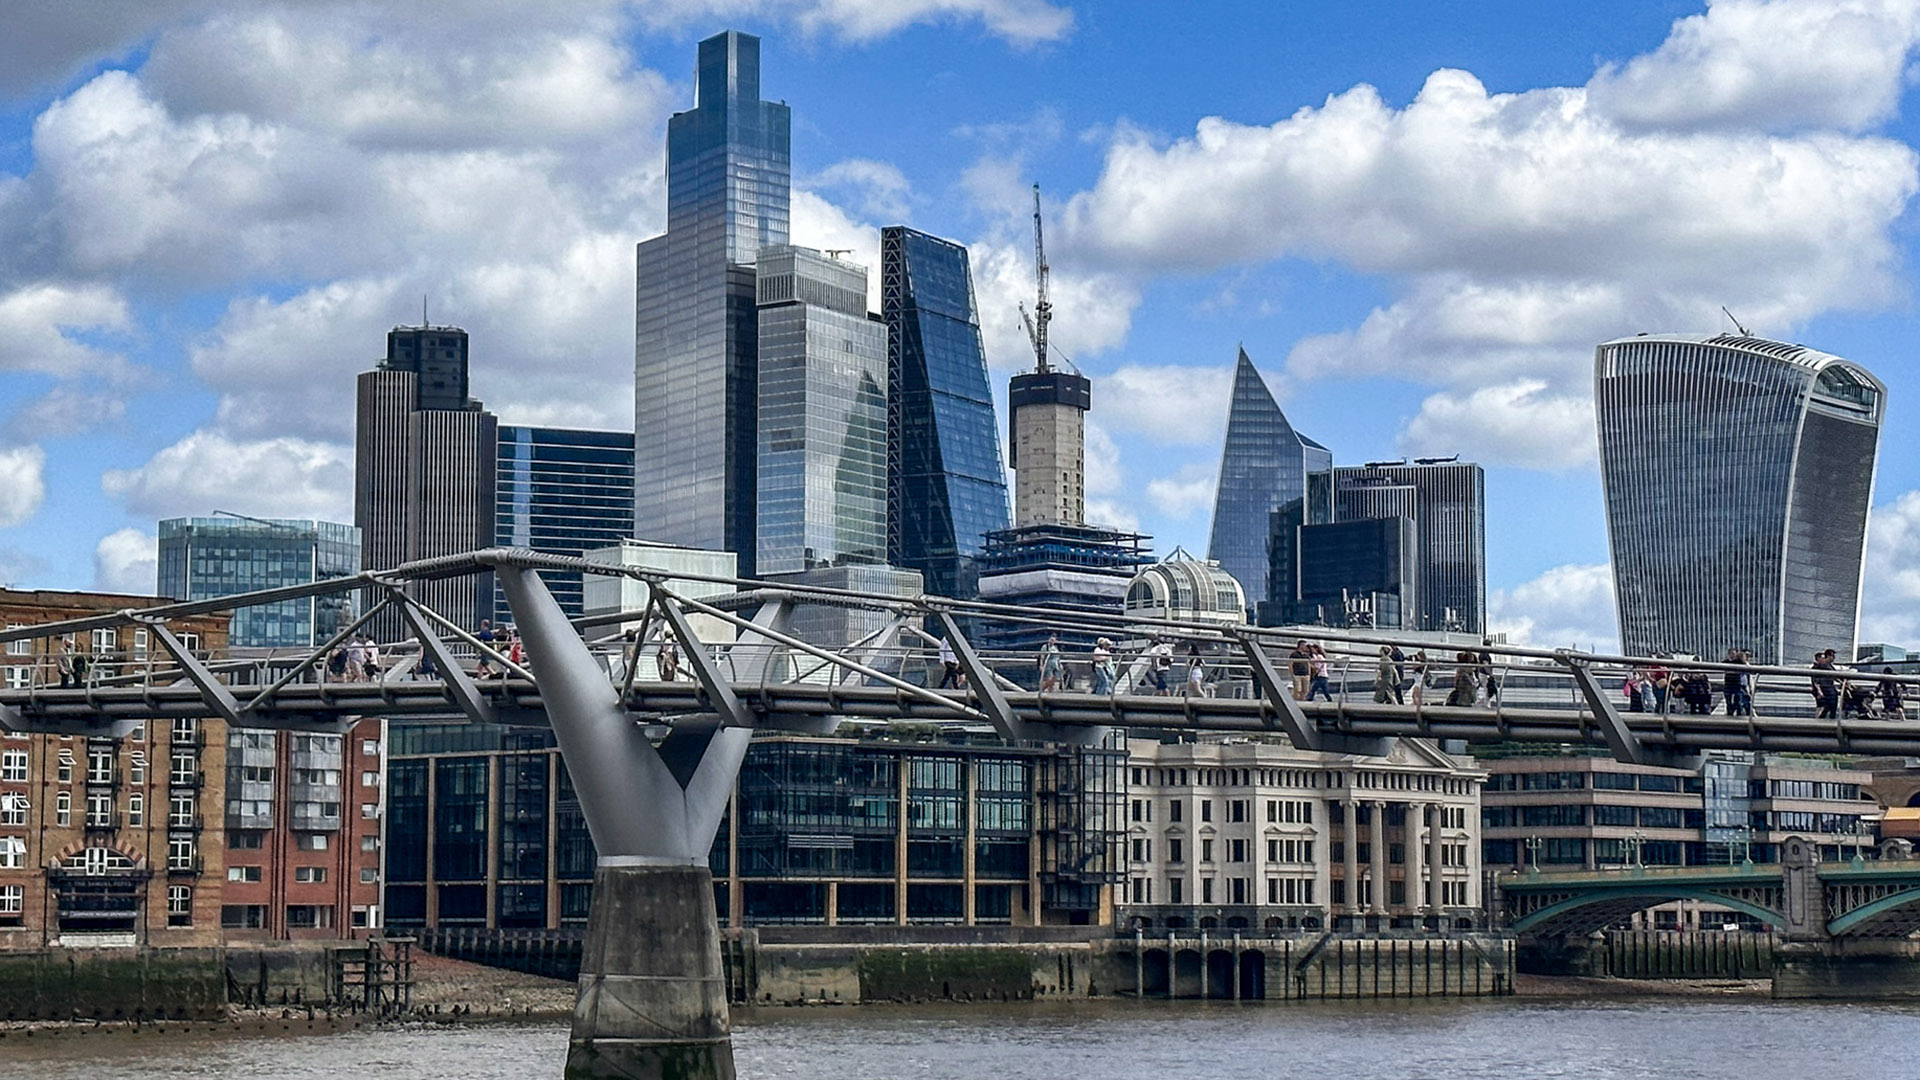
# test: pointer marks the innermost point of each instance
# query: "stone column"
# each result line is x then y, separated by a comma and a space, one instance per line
1350, 818
1378, 838
1410, 839
1437, 851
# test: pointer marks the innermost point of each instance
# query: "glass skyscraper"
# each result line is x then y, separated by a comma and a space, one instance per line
823, 415
695, 325
209, 557
563, 492
1267, 466
1738, 473
1447, 503
946, 486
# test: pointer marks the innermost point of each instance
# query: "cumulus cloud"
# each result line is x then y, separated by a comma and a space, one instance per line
127, 561
43, 326
1890, 600
1769, 64
23, 483
1567, 607
1093, 309
1516, 230
63, 411
206, 471
1185, 492
1516, 423
876, 188
1170, 404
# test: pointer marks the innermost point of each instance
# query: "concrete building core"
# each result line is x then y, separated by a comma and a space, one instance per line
1048, 447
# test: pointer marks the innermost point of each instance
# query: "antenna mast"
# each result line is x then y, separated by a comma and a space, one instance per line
1042, 308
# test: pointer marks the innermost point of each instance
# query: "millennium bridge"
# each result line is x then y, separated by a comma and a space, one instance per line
653, 759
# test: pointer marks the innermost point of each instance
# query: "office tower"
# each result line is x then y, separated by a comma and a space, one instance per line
695, 323
822, 415
424, 471
1359, 573
1447, 502
1738, 472
209, 557
562, 492
946, 488
1266, 466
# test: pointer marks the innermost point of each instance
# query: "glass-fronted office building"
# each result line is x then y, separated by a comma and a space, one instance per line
209, 557
1738, 472
563, 492
822, 415
946, 486
1265, 467
696, 325
1359, 573
1447, 503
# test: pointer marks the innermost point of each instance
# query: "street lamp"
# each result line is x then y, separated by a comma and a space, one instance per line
1533, 854
1638, 839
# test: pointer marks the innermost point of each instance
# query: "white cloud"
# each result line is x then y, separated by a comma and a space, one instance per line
1515, 423
1105, 476
64, 411
1184, 493
1111, 514
1169, 404
127, 561
1890, 599
1516, 230
877, 188
1022, 22
820, 224
23, 483
206, 471
37, 322
1567, 607
1769, 64
1092, 310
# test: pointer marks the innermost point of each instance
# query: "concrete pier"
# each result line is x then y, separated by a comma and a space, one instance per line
653, 997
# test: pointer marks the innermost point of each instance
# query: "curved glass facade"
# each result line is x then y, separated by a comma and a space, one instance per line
1738, 473
946, 487
1265, 466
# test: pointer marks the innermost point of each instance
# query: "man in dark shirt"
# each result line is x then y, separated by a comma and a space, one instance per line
1826, 690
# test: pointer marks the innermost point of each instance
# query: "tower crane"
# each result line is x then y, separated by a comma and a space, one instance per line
1043, 308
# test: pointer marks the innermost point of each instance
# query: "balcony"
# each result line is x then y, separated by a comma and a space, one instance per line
183, 823
185, 867
96, 823
196, 740
108, 782
194, 779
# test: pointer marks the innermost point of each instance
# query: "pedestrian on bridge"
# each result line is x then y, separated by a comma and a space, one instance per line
1302, 657
1826, 688
669, 658
1422, 676
1322, 670
1103, 666
1386, 678
1465, 668
1050, 664
1635, 688
1893, 705
950, 677
1738, 685
1196, 672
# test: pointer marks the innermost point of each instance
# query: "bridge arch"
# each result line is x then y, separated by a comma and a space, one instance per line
1874, 910
1641, 897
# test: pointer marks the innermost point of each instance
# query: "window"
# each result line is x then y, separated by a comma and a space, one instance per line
312, 842
22, 647
369, 843
13, 766
1237, 810
369, 875
360, 918
369, 779
1206, 851
309, 916
1174, 854
1237, 890
180, 855
13, 899
13, 853
100, 764
179, 905
137, 767
243, 873
99, 811
185, 768
136, 810
180, 813
105, 640
243, 841
65, 772
1236, 851
63, 808
1273, 851
1174, 811
309, 874
1206, 809
1206, 890
242, 916
140, 644
1176, 888
369, 811
13, 808
369, 748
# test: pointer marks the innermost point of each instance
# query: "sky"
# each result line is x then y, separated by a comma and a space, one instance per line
1418, 219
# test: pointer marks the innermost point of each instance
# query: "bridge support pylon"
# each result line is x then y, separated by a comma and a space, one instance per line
652, 997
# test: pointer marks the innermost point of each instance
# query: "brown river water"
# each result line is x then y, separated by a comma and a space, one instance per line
1504, 1038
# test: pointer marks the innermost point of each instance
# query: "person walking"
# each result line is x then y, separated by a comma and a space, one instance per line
1400, 682
1321, 670
1386, 678
1196, 672
372, 669
1738, 685
1826, 688
1462, 694
1103, 666
1489, 681
1657, 679
64, 663
1634, 688
356, 659
949, 666
669, 659
1159, 658
1893, 704
1050, 664
1422, 675
1302, 657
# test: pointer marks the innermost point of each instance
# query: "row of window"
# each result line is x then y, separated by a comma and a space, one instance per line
1238, 811
1297, 778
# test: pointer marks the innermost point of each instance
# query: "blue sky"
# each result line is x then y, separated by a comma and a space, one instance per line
1417, 218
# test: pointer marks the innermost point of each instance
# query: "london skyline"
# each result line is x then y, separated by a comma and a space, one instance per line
165, 368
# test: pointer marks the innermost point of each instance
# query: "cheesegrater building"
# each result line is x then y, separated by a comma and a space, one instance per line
1738, 472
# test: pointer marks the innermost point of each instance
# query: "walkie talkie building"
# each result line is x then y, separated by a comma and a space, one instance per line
1738, 472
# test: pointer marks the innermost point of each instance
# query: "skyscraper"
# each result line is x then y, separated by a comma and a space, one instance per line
1738, 472
695, 324
946, 488
210, 557
822, 415
424, 470
563, 492
1266, 466
1447, 502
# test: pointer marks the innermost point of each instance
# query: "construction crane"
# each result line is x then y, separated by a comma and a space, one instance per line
1042, 308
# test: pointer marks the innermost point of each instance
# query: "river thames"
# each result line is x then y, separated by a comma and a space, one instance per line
1443, 1040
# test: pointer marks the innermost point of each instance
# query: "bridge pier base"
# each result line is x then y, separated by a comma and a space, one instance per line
653, 996
1857, 969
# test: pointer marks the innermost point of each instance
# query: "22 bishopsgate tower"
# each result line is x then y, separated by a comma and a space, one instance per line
696, 322
1738, 473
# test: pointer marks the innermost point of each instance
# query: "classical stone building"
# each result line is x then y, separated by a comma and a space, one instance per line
1240, 834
